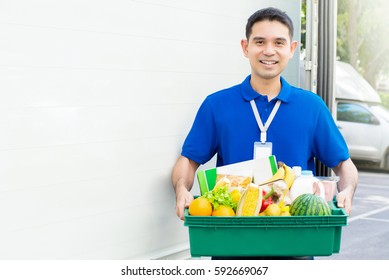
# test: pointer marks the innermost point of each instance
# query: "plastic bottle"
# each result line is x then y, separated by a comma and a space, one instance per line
305, 184
297, 171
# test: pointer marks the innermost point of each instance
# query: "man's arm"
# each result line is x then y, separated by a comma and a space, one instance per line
348, 180
182, 179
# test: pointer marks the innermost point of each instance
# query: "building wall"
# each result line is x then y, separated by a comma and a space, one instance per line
96, 98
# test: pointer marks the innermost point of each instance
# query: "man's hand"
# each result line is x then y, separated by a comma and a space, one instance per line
182, 179
348, 180
183, 200
344, 199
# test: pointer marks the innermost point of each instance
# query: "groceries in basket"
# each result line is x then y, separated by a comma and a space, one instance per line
240, 190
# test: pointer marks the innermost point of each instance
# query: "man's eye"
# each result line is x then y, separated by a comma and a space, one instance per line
280, 43
259, 42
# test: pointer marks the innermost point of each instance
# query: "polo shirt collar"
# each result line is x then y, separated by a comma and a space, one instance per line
248, 93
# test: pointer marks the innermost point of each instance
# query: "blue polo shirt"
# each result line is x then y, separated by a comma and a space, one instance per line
302, 129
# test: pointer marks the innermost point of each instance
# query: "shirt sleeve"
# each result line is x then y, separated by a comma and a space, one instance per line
201, 141
331, 148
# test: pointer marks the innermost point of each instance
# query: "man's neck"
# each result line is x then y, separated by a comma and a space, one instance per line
270, 88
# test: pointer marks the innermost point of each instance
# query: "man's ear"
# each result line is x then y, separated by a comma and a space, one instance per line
244, 45
293, 46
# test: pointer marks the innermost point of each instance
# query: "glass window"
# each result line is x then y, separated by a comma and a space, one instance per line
352, 112
381, 111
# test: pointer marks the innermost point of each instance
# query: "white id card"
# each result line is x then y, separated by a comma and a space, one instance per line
262, 150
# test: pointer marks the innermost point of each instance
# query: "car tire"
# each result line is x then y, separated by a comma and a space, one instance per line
386, 166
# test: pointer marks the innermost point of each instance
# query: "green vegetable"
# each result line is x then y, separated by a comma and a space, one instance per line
220, 196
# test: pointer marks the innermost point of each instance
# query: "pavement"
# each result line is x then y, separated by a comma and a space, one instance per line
366, 237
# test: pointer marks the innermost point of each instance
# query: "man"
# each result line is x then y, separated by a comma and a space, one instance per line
300, 127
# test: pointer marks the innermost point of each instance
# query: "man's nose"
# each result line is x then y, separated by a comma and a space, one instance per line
269, 49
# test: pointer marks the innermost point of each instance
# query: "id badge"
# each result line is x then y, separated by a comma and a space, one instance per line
262, 150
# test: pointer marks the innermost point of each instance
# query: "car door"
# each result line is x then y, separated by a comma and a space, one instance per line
361, 130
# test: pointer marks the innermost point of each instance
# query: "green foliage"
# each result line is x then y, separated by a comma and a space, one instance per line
385, 99
341, 43
303, 23
372, 36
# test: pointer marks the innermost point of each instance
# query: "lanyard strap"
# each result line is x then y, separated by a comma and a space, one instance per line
262, 127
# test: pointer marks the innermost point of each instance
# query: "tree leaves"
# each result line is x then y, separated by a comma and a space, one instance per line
365, 23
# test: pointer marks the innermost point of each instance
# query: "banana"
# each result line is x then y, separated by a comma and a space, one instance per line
289, 175
284, 172
279, 175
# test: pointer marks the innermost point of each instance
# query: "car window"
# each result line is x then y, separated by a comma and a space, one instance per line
352, 112
381, 111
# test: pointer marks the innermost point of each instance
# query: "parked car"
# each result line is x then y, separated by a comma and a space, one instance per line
361, 118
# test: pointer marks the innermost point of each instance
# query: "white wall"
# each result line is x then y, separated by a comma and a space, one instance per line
96, 98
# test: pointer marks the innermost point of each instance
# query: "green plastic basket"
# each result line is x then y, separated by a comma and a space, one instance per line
266, 236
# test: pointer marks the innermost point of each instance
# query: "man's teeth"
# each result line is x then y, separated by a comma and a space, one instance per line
268, 62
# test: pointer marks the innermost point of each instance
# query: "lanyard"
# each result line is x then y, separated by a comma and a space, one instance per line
262, 127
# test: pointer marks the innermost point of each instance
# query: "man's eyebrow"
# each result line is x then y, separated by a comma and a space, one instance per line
256, 38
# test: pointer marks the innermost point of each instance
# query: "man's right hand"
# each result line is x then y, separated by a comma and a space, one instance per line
183, 200
182, 179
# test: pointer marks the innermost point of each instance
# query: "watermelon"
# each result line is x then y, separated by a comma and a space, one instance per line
309, 205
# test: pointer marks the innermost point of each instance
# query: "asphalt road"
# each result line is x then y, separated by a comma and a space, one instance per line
366, 237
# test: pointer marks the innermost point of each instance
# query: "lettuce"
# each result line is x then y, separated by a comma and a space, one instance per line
220, 196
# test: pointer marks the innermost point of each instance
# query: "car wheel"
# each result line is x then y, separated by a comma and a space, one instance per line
386, 166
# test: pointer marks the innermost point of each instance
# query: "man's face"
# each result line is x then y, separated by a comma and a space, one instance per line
268, 49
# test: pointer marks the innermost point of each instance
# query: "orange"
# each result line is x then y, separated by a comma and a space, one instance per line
200, 207
223, 211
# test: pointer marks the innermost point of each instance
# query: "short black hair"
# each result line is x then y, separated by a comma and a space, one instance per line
270, 14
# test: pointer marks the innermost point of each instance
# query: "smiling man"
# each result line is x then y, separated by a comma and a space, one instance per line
269, 47
265, 109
